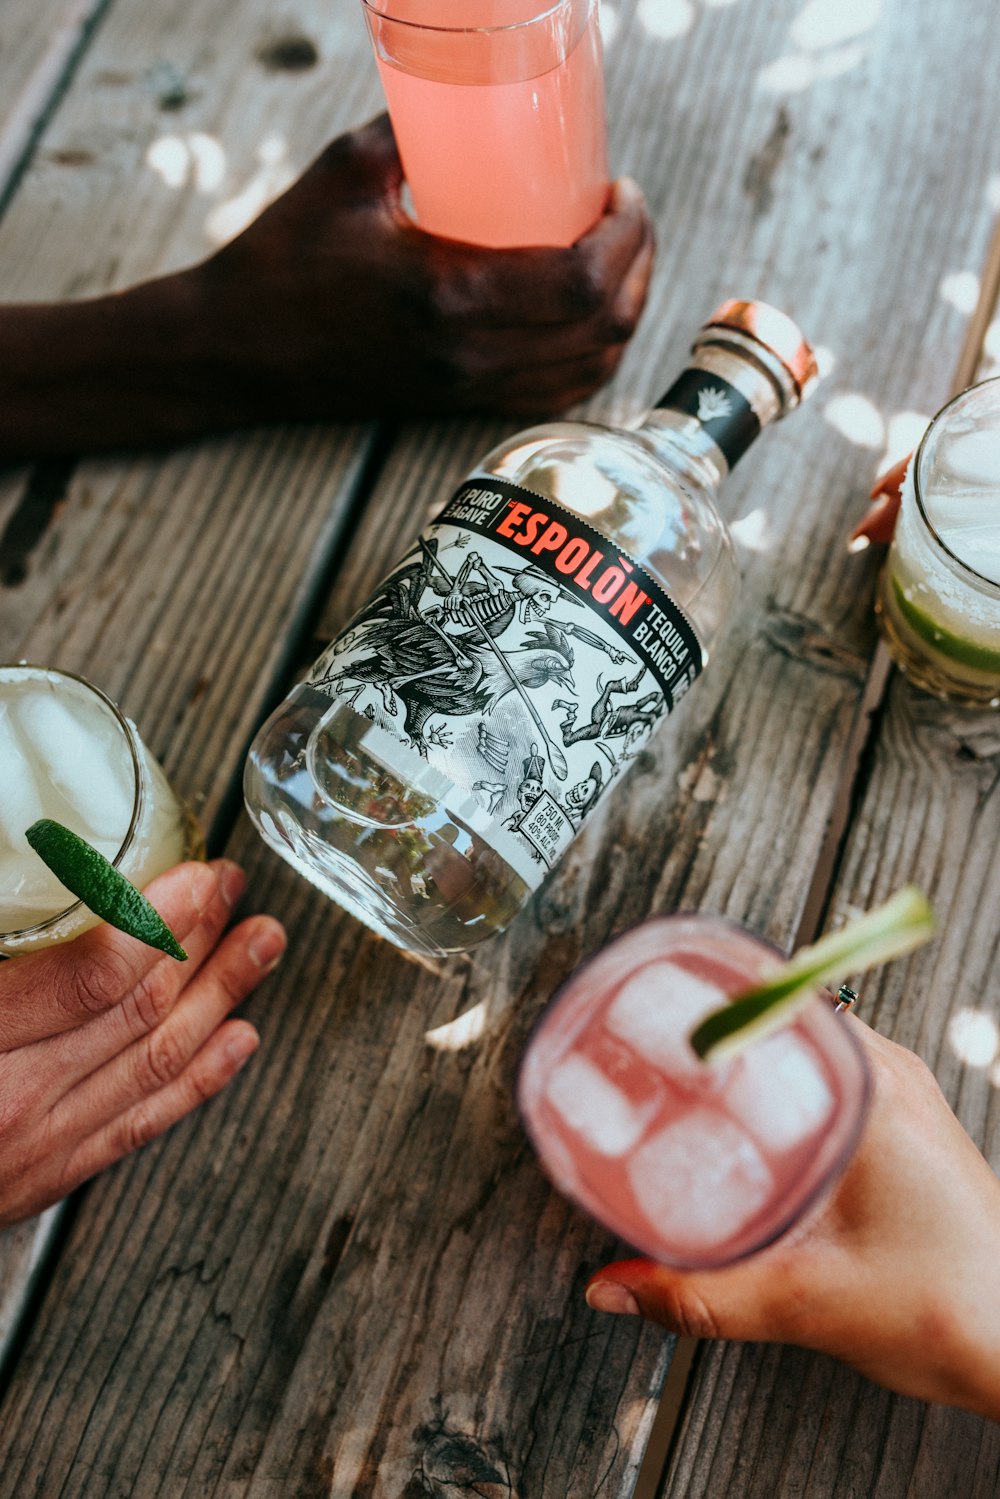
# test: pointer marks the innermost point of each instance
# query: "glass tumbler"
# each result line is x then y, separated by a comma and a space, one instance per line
939, 592
66, 752
497, 107
696, 1165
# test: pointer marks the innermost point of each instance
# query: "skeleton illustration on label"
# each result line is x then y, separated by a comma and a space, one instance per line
517, 655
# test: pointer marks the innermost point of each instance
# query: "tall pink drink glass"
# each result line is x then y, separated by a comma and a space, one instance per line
498, 111
694, 1165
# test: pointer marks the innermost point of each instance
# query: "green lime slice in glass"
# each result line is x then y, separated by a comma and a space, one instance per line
95, 881
968, 652
903, 923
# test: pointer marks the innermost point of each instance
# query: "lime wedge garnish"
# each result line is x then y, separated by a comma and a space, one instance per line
969, 652
905, 921
96, 881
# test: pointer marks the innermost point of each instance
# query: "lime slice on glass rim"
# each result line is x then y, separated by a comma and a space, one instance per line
96, 882
903, 923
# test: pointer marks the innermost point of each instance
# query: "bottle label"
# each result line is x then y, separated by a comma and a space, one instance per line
722, 410
513, 665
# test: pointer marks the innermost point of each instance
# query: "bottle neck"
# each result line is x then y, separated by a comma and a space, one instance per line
714, 411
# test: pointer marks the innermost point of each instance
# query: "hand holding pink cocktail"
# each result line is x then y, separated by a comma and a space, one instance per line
696, 1165
498, 111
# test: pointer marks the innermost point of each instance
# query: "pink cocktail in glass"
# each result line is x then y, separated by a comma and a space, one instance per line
695, 1165
498, 111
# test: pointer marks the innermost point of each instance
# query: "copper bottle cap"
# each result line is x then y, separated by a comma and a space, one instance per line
776, 332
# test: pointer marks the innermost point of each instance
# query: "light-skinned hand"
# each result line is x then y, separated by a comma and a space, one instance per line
105, 1043
895, 1274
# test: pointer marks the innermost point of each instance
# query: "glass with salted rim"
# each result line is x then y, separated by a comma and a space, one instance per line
939, 592
68, 753
497, 107
695, 1165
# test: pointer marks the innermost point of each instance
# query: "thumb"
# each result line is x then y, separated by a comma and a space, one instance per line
364, 164
748, 1302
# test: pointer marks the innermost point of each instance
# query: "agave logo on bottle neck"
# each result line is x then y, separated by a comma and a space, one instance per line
722, 410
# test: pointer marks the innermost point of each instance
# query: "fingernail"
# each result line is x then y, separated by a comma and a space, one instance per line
203, 887
608, 1296
241, 1046
232, 882
627, 193
268, 948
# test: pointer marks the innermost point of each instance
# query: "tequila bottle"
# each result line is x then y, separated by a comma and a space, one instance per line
448, 745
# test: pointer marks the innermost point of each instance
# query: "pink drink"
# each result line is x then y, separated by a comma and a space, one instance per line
694, 1165
500, 126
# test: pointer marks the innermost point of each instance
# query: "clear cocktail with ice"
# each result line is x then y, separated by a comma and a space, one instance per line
693, 1164
939, 594
67, 753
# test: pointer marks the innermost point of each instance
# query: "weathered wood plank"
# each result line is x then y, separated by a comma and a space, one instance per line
347, 1276
177, 584
929, 804
39, 46
178, 128
764, 1422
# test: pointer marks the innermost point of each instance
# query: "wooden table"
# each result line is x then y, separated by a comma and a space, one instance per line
347, 1275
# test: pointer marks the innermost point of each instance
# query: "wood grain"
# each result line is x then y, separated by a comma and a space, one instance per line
179, 584
764, 1422
39, 48
347, 1276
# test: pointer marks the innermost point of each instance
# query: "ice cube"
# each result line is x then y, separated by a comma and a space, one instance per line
654, 1012
28, 895
968, 522
699, 1180
29, 892
20, 794
87, 762
778, 1091
972, 457
593, 1108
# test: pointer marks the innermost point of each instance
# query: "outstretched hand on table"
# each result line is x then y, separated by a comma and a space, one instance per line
896, 1275
332, 304
105, 1043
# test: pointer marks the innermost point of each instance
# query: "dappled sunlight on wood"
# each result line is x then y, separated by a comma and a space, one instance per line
974, 1038
826, 361
824, 41
855, 417
666, 18
961, 290
610, 21
799, 70
182, 159
199, 160
903, 431
275, 173
829, 23
752, 532
456, 1034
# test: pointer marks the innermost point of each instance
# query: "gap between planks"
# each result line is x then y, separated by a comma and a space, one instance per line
679, 1384
29, 114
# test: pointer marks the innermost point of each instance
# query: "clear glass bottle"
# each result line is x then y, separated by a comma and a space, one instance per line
447, 746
